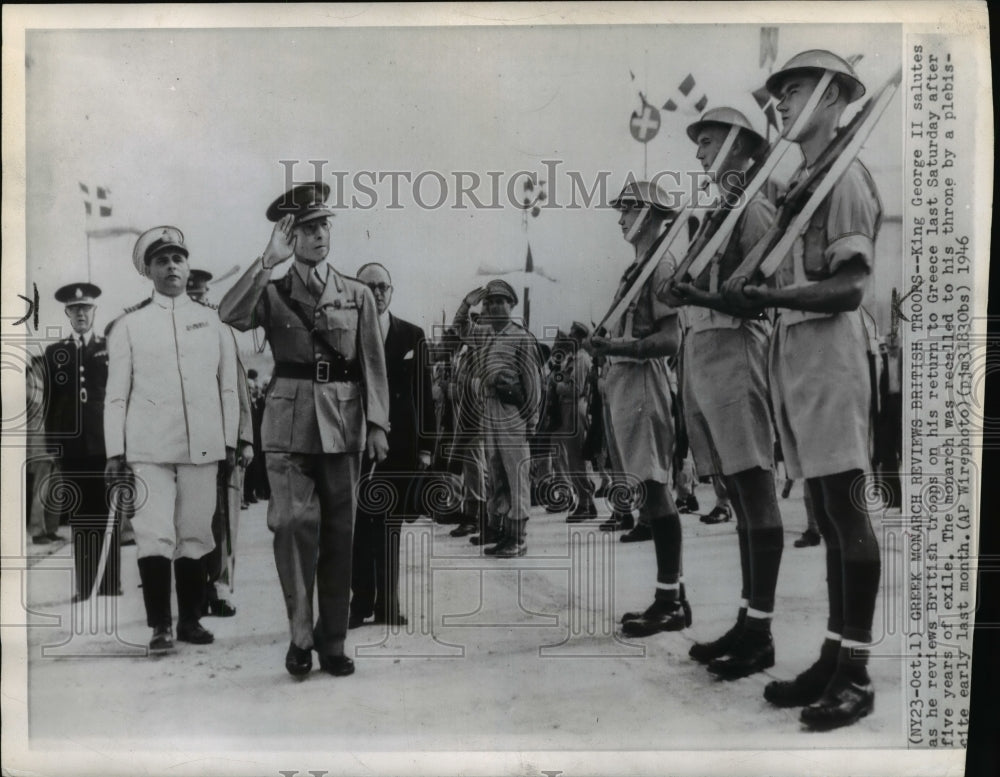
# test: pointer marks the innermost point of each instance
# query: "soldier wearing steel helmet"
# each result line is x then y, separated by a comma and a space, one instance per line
171, 417
509, 369
638, 406
725, 400
821, 388
328, 404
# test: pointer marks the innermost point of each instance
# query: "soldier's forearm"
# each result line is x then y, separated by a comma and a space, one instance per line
239, 303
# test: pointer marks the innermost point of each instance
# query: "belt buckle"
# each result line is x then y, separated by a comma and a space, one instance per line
323, 372
83, 396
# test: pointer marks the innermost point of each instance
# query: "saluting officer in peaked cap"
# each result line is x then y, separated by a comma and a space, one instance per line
818, 60
499, 288
305, 202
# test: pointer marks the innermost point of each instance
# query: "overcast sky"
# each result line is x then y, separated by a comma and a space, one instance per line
188, 127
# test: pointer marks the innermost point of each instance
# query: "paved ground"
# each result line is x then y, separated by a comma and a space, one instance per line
499, 654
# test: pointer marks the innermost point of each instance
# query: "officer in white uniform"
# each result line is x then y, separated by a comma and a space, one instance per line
171, 416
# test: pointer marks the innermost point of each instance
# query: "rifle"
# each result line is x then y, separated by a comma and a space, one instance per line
593, 443
712, 239
805, 197
648, 267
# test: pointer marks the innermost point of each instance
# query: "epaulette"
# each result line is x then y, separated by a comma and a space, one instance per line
129, 309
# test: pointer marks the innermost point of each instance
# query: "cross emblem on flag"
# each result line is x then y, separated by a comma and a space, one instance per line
645, 123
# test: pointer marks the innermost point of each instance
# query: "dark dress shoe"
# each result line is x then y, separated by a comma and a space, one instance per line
77, 598
787, 488
508, 548
127, 542
194, 633
659, 616
809, 538
463, 530
41, 539
219, 608
719, 514
703, 652
487, 537
687, 504
845, 701
338, 666
753, 652
298, 661
55, 536
806, 688
162, 641
641, 533
618, 520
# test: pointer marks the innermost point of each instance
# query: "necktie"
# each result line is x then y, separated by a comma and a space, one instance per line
314, 284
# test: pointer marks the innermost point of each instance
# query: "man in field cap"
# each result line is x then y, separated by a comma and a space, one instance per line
509, 369
171, 418
327, 405
638, 404
725, 398
821, 390
197, 285
77, 372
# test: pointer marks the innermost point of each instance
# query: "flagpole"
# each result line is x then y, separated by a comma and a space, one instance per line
88, 257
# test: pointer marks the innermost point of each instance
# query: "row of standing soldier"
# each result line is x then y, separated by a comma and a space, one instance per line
329, 406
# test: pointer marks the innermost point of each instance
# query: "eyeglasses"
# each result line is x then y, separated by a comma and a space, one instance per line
381, 288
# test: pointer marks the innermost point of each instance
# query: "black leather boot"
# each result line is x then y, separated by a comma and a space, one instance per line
190, 584
703, 652
154, 571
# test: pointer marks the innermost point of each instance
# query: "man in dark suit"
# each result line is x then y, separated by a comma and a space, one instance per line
375, 576
77, 374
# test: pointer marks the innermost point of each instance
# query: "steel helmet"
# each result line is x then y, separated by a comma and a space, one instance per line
818, 59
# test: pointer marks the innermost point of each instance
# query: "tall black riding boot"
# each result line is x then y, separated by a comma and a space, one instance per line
154, 571
190, 583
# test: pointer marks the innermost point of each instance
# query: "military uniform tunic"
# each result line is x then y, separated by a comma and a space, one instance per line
820, 382
314, 432
172, 410
637, 405
507, 357
724, 367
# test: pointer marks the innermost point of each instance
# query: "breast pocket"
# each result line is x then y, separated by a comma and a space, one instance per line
279, 412
341, 329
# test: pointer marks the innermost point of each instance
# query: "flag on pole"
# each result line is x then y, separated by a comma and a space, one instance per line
96, 204
768, 47
685, 98
645, 122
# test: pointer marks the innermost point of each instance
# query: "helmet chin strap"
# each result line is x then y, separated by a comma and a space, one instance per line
638, 223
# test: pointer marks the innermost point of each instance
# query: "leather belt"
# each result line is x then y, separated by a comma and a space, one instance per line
320, 371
